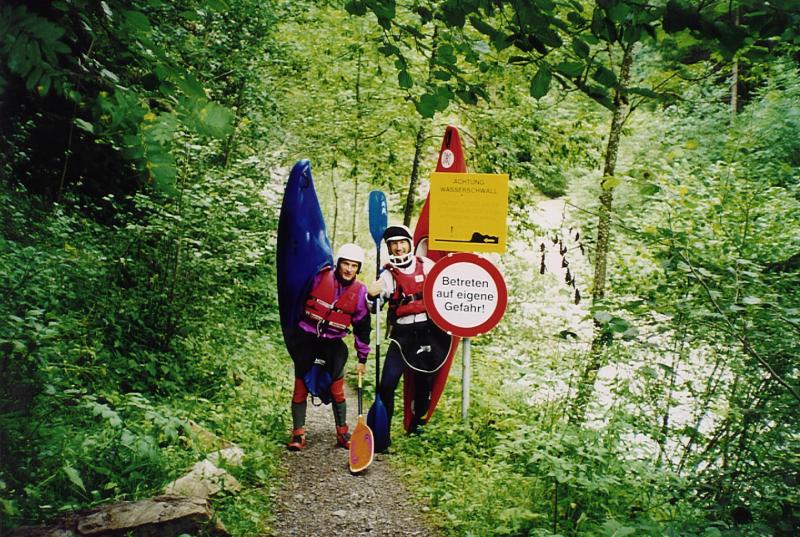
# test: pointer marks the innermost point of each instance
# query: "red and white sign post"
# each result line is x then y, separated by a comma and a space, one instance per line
466, 296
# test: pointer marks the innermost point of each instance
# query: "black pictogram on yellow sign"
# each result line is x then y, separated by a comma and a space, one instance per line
468, 212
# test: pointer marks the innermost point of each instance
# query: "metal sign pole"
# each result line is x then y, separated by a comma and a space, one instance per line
466, 379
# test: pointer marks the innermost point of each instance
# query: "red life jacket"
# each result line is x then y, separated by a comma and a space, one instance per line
323, 307
407, 297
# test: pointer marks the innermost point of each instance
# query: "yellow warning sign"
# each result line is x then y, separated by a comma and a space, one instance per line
468, 212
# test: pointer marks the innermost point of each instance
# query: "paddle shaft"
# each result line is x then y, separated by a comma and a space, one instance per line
360, 412
377, 225
378, 329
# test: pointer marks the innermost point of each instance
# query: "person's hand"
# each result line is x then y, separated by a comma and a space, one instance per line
361, 368
375, 288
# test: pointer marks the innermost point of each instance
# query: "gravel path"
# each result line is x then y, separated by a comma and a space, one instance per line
320, 497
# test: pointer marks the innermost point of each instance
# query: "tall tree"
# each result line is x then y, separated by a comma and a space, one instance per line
591, 47
425, 51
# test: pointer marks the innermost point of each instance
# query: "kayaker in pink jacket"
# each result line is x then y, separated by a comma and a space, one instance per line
335, 306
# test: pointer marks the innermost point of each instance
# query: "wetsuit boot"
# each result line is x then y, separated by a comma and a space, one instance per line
342, 430
298, 440
343, 436
299, 405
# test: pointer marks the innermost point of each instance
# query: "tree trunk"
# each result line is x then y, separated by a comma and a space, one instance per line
335, 202
355, 146
585, 387
413, 182
735, 79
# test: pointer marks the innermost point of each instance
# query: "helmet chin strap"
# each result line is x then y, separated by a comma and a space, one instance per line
401, 261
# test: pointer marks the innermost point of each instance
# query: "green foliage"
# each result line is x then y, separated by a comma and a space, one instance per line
511, 472
128, 307
535, 146
122, 109
720, 219
144, 297
94, 399
426, 43
33, 48
76, 449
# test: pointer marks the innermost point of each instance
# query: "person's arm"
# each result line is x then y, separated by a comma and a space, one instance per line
427, 265
362, 328
383, 287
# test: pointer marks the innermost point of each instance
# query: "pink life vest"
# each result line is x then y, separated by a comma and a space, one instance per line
407, 297
323, 307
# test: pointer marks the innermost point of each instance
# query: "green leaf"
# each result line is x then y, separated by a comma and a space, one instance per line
645, 92
387, 49
404, 79
188, 85
384, 10
575, 18
500, 41
482, 26
632, 34
580, 47
602, 27
33, 78
215, 120
74, 477
550, 38
570, 69
163, 128
137, 21
467, 97
44, 85
445, 56
619, 325
356, 7
619, 12
648, 189
677, 17
426, 106
631, 333
605, 76
610, 182
752, 300
17, 58
454, 14
217, 5
190, 15
161, 166
425, 14
443, 97
540, 84
84, 125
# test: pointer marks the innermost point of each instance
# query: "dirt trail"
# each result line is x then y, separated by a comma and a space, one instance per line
320, 497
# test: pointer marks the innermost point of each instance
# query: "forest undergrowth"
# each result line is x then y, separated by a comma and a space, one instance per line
644, 379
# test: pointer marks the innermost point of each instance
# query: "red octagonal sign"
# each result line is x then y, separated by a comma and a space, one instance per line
465, 294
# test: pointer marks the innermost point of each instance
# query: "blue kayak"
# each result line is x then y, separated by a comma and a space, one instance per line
303, 245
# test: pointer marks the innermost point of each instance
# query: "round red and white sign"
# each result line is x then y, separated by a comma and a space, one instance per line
465, 294
448, 158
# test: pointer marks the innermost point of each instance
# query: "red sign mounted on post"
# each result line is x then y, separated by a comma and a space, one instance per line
465, 294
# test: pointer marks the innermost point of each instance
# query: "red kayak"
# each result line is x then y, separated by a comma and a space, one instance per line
451, 159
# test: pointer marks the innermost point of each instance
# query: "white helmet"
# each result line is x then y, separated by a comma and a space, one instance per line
351, 252
399, 233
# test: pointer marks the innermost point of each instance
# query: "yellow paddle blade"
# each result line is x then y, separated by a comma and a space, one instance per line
362, 446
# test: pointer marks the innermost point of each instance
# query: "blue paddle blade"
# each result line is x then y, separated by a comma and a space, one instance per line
378, 421
378, 215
